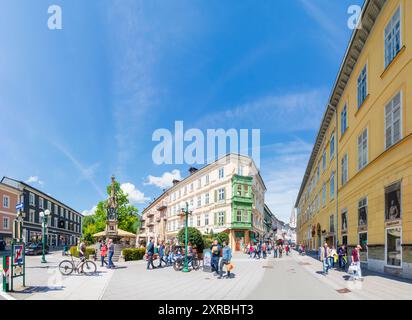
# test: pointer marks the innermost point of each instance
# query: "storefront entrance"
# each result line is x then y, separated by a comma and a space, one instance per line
239, 240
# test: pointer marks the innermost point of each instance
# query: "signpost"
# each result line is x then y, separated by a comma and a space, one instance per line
17, 263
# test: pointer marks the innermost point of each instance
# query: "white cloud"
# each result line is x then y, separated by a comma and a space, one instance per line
283, 173
286, 112
34, 179
90, 212
165, 181
134, 195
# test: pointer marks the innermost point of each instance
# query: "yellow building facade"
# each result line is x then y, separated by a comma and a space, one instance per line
357, 188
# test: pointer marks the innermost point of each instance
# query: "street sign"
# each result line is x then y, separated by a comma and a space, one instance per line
19, 206
207, 260
18, 255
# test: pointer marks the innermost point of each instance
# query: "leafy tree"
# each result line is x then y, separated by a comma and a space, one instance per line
194, 236
223, 236
127, 215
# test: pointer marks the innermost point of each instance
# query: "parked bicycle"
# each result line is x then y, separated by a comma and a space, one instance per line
85, 266
179, 263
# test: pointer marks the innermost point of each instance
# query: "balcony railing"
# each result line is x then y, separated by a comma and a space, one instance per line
162, 205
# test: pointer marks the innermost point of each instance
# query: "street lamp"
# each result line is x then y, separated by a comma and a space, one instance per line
185, 214
44, 215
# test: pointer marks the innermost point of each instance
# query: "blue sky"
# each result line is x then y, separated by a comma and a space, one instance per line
80, 104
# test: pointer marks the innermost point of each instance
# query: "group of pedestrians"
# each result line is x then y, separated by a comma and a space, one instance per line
261, 249
167, 253
221, 256
331, 257
106, 250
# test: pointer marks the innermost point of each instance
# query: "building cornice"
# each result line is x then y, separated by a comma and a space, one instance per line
370, 12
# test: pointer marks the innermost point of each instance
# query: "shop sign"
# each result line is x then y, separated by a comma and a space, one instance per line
207, 260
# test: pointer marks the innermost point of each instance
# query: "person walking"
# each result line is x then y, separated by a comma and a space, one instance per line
161, 251
215, 248
65, 249
342, 257
332, 256
356, 262
167, 253
103, 253
275, 251
269, 248
150, 250
110, 249
264, 250
251, 249
324, 257
225, 260
280, 250
287, 249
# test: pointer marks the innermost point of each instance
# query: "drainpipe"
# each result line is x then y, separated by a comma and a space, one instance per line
336, 175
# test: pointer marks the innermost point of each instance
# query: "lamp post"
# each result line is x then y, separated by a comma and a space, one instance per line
185, 213
44, 215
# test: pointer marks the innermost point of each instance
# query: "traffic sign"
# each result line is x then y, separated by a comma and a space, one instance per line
18, 254
19, 206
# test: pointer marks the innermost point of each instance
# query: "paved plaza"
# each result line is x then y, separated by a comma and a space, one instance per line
291, 277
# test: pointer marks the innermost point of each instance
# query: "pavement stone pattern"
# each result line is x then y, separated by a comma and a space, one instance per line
290, 277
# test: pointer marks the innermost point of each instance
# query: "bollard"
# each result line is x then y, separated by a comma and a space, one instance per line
5, 273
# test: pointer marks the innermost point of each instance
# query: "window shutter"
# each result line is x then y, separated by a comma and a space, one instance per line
388, 120
215, 218
224, 193
215, 195
396, 117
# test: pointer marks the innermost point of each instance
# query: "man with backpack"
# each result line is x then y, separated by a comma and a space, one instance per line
215, 248
150, 253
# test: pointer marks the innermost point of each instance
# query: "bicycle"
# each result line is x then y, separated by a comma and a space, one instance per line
86, 266
180, 262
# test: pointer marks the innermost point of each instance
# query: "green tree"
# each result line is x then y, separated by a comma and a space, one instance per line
223, 236
194, 236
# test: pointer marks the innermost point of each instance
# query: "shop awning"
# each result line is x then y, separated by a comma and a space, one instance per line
219, 230
120, 233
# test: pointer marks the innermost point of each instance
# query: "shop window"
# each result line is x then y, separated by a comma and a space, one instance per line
345, 240
393, 202
363, 241
393, 247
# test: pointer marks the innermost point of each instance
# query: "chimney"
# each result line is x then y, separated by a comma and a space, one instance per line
192, 170
175, 182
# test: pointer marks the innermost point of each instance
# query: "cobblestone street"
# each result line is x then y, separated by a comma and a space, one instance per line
291, 277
